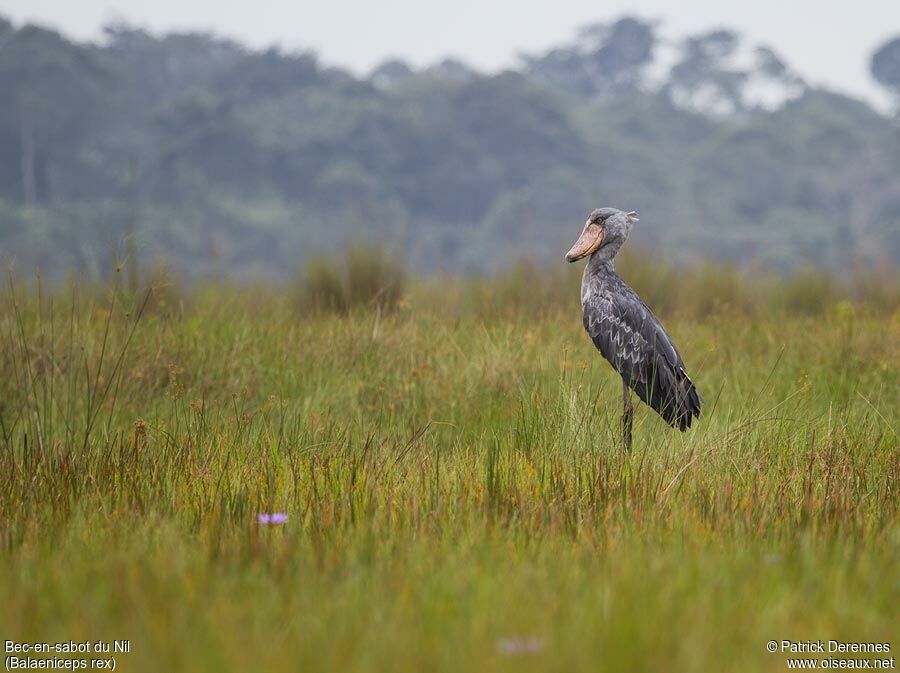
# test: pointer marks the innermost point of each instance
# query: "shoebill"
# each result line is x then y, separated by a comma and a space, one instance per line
626, 332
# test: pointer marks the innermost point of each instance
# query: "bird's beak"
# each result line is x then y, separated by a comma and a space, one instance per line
588, 242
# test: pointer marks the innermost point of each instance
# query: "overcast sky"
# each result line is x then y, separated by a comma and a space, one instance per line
828, 41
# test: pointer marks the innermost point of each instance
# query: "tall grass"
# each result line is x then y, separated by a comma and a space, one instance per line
451, 470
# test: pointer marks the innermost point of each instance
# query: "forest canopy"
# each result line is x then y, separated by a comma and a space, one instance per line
229, 161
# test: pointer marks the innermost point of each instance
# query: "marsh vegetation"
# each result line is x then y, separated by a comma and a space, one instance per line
450, 468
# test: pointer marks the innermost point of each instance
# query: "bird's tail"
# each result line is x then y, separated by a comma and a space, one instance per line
687, 403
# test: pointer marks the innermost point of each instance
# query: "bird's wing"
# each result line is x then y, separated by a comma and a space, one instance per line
635, 343
628, 335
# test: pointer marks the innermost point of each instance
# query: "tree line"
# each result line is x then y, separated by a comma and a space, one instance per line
229, 161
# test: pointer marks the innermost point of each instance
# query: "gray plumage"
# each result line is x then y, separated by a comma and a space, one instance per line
625, 331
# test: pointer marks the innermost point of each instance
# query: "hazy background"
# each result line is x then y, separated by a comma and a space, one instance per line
240, 140
828, 43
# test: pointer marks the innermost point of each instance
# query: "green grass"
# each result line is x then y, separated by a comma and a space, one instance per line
454, 482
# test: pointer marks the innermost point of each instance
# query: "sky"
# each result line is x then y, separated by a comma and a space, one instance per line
829, 42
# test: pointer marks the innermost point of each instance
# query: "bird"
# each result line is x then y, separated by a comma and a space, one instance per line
626, 332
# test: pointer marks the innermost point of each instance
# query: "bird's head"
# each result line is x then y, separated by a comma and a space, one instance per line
607, 229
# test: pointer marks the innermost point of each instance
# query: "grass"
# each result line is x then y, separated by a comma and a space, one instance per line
458, 500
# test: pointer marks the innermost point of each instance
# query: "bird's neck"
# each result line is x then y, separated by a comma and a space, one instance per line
603, 258
600, 264
599, 272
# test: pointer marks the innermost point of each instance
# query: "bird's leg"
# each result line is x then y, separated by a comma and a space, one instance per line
626, 417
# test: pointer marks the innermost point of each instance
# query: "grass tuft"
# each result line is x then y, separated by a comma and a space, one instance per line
362, 277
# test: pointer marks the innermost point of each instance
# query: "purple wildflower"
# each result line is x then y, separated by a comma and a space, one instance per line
275, 518
520, 645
